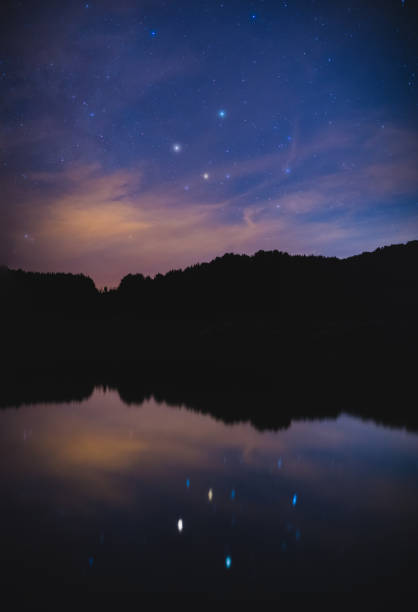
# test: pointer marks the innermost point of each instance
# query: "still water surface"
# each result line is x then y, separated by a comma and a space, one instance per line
100, 495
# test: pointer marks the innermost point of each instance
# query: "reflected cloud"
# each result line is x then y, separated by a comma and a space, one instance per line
100, 452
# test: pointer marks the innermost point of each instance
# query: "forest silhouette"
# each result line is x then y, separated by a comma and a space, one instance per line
235, 311
363, 286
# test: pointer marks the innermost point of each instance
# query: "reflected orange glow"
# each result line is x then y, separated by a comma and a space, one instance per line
97, 447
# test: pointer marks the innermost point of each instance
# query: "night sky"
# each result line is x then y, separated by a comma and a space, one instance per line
141, 136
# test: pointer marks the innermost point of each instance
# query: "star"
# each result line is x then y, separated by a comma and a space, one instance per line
205, 176
176, 147
222, 113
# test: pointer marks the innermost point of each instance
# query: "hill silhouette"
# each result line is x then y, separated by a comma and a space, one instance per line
254, 311
274, 281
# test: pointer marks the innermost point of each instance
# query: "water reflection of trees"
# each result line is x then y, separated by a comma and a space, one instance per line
231, 396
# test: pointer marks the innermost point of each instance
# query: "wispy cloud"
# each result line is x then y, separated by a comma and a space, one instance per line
107, 224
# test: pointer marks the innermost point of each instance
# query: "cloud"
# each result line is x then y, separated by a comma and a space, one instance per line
85, 218
150, 230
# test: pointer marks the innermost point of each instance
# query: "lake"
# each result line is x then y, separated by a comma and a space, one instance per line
101, 495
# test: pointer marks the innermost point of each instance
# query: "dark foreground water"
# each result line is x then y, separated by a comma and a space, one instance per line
100, 495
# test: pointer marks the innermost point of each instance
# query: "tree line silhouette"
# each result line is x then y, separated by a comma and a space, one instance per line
269, 281
238, 309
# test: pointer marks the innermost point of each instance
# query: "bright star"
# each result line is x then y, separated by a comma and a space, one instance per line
206, 176
222, 114
153, 33
210, 494
228, 562
180, 525
177, 147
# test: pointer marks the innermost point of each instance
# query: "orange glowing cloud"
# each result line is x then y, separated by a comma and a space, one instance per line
108, 224
148, 230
